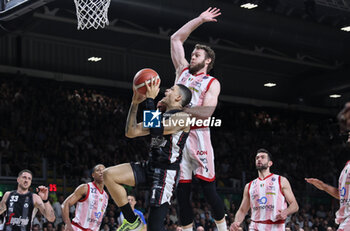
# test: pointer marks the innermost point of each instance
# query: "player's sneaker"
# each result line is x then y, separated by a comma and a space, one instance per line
126, 226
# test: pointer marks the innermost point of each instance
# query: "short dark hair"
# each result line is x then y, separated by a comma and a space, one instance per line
132, 195
94, 168
265, 151
186, 94
209, 54
25, 170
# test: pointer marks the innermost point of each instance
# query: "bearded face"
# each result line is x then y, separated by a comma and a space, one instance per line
262, 161
260, 166
197, 61
194, 68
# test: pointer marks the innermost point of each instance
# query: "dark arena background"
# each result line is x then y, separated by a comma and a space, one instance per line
65, 95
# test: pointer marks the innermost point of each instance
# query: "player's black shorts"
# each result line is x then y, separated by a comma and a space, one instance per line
161, 181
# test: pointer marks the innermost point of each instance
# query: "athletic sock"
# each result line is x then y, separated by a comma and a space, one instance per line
128, 214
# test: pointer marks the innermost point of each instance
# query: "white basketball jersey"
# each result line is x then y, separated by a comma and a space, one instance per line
344, 195
89, 210
199, 84
266, 198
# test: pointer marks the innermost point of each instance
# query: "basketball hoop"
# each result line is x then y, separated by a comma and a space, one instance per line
92, 13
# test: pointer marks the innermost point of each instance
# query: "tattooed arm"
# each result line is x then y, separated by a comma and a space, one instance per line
132, 128
3, 203
45, 208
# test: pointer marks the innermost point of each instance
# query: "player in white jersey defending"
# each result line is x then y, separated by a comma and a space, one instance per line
91, 202
160, 172
198, 157
267, 197
343, 191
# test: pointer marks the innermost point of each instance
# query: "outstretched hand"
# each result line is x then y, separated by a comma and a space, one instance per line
316, 182
210, 14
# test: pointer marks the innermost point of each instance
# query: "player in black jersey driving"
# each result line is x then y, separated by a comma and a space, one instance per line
21, 205
161, 170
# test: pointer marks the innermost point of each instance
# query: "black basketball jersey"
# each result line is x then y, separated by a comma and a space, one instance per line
166, 150
19, 212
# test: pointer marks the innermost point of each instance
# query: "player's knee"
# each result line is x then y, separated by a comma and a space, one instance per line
106, 175
209, 190
117, 174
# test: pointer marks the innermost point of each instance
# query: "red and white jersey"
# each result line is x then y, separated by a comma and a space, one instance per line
198, 154
199, 84
344, 195
266, 198
89, 210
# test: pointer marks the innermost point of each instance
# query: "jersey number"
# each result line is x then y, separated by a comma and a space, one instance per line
14, 199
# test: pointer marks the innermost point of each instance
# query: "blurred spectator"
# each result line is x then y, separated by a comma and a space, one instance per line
173, 215
40, 220
60, 227
57, 209
105, 228
50, 226
36, 227
112, 224
132, 202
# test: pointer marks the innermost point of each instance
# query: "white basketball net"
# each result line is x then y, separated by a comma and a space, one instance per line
92, 13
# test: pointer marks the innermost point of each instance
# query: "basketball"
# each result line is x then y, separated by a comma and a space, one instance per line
143, 75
